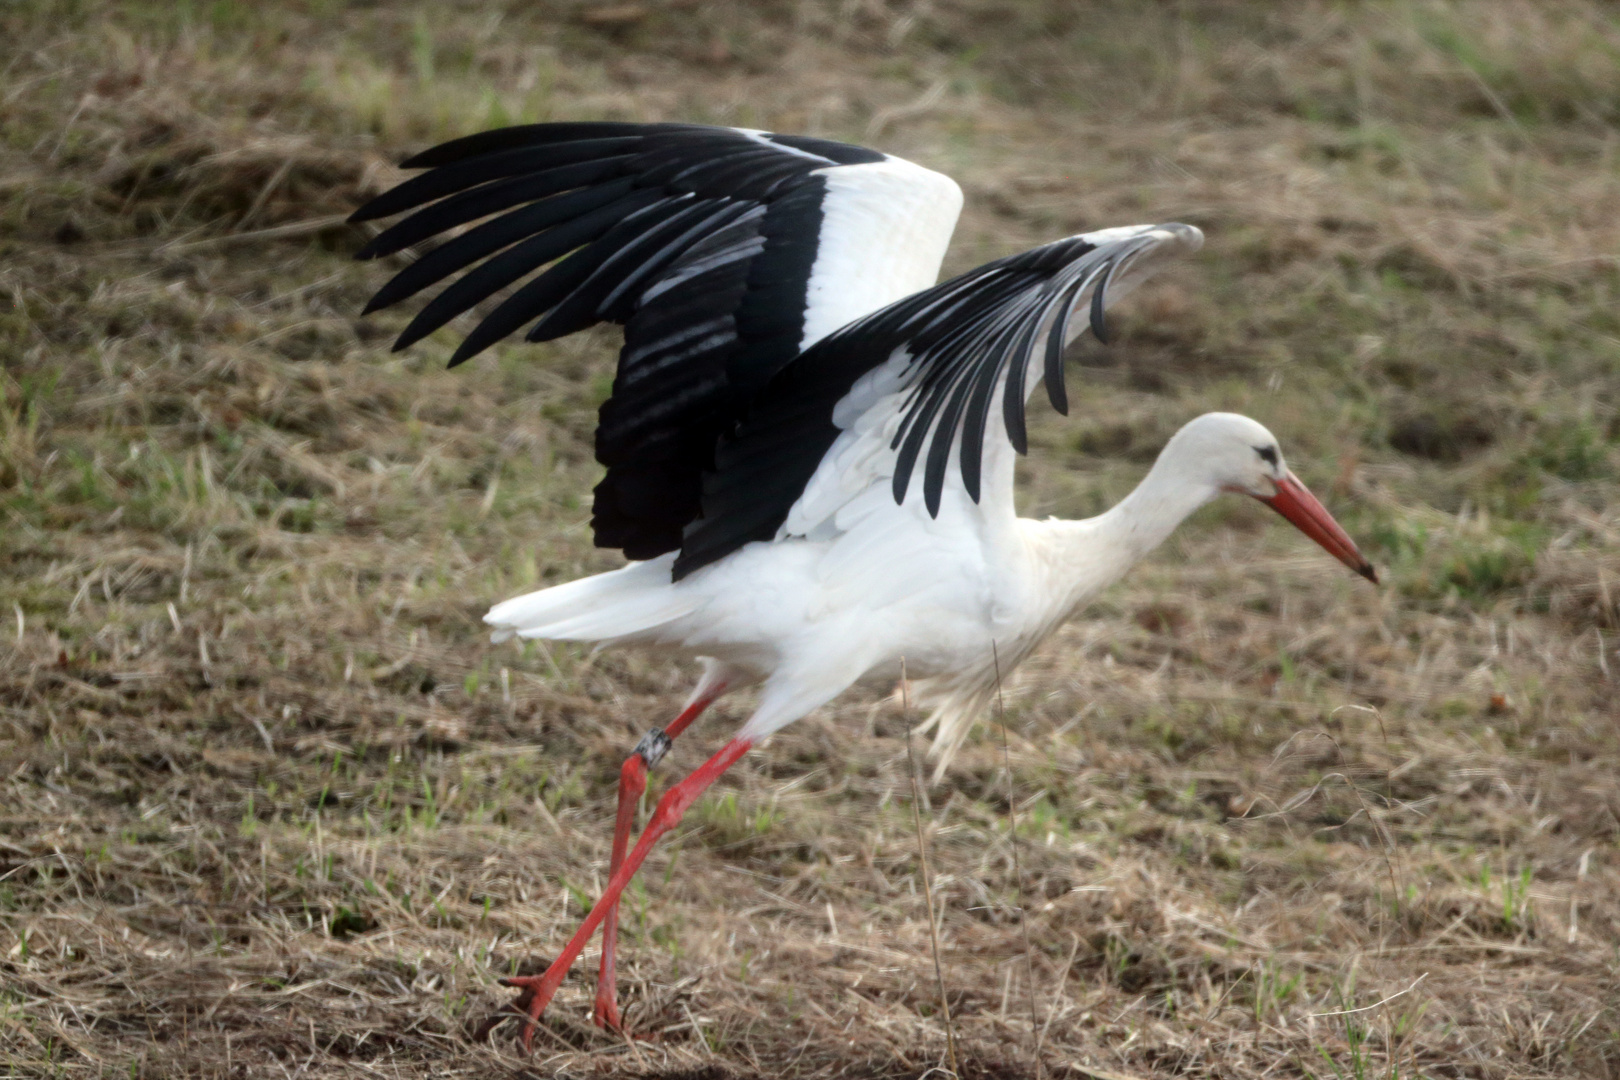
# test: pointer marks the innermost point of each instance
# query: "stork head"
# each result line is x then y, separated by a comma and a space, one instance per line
1237, 454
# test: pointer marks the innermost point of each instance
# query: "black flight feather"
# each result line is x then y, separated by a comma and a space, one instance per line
605, 295
496, 170
1012, 397
939, 451
1015, 339
485, 143
502, 270
492, 236
560, 193
547, 290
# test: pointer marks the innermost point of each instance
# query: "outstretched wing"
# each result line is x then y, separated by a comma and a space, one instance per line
724, 253
950, 366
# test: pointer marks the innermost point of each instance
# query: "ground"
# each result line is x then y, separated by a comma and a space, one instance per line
272, 805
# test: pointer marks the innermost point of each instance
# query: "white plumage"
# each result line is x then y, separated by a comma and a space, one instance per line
887, 225
809, 446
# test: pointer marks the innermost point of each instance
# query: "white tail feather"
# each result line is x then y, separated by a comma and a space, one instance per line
621, 604
955, 709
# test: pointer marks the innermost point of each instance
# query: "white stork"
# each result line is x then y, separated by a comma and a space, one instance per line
779, 440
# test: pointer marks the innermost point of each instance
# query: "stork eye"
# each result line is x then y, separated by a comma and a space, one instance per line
1268, 454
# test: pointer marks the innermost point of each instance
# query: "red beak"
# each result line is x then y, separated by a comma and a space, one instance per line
1295, 502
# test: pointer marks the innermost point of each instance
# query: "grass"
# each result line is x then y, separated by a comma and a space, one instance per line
270, 803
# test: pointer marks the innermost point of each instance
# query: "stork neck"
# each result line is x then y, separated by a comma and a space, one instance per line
1146, 517
1085, 557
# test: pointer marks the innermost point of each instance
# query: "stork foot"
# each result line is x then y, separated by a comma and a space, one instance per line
605, 1014
535, 996
538, 990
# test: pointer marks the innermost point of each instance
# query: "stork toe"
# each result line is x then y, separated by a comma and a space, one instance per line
529, 1004
605, 1014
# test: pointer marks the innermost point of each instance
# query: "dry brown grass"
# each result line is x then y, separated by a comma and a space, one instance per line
271, 806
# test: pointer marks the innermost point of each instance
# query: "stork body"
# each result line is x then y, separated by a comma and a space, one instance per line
810, 617
809, 445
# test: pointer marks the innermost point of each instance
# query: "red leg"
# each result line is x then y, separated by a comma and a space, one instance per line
632, 782
539, 989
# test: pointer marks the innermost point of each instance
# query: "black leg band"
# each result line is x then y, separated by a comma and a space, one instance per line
653, 746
